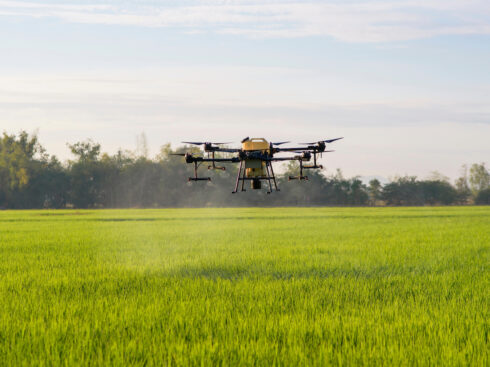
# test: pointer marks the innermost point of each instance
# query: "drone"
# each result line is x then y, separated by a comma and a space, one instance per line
255, 159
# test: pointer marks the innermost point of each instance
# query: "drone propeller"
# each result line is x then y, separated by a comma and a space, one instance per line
193, 142
281, 143
302, 151
179, 154
332, 140
203, 143
322, 141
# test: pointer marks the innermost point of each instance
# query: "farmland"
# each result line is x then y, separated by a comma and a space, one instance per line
284, 286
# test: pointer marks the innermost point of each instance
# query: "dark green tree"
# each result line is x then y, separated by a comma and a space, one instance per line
483, 197
403, 191
86, 175
462, 186
479, 178
374, 191
29, 178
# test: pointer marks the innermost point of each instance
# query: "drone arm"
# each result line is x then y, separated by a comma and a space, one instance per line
311, 148
284, 159
229, 160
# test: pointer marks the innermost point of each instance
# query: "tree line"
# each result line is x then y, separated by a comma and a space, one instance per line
31, 178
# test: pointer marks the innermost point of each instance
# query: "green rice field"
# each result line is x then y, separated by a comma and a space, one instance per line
246, 287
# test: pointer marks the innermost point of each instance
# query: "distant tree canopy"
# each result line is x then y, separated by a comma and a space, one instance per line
30, 178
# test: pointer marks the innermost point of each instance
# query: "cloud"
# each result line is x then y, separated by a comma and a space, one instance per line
350, 21
204, 97
205, 102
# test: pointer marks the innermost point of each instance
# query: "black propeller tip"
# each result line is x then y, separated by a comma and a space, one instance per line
192, 142
332, 140
204, 143
322, 141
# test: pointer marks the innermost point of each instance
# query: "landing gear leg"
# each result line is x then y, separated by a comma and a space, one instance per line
238, 178
273, 177
243, 178
268, 176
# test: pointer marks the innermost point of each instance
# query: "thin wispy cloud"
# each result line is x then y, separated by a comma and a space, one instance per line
351, 21
416, 105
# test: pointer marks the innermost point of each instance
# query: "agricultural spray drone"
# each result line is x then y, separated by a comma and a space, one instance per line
255, 158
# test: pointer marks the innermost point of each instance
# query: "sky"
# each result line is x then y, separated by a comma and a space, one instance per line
406, 83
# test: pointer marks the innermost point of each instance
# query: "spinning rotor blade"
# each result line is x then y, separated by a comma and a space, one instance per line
281, 143
322, 141
179, 154
303, 151
193, 142
332, 140
202, 143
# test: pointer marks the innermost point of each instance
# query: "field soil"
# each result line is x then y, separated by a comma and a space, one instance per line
282, 286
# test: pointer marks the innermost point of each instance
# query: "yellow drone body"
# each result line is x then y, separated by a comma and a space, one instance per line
255, 167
